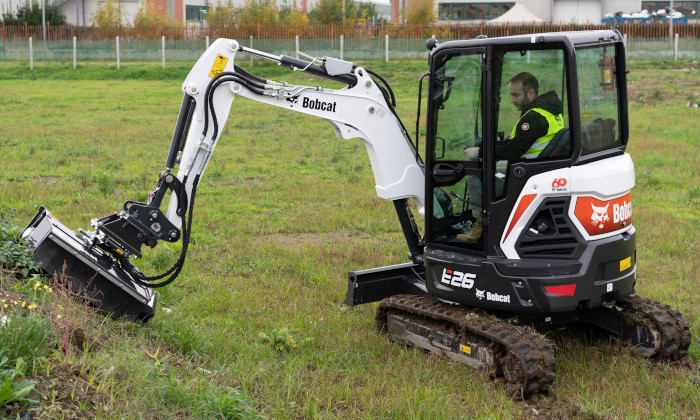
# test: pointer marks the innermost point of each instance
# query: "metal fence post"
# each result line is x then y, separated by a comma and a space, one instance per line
118, 62
386, 49
207, 41
251, 46
75, 52
296, 39
31, 54
162, 43
675, 49
341, 47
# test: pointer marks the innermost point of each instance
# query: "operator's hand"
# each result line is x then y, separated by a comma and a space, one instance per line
472, 153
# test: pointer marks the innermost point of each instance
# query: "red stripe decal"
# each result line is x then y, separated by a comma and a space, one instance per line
567, 290
522, 206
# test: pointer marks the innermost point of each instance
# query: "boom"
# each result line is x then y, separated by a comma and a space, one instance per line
357, 111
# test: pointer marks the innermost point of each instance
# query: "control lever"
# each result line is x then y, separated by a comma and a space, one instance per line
454, 194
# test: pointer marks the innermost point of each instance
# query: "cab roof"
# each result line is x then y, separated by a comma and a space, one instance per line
575, 39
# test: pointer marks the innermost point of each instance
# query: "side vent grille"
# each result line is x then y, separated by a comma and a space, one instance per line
550, 233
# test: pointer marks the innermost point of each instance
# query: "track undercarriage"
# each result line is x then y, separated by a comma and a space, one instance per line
517, 355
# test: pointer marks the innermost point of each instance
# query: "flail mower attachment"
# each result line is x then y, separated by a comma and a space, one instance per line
87, 270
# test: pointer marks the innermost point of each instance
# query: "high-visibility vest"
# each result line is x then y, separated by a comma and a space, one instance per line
555, 122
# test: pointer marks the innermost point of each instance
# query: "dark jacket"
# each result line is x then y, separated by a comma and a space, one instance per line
530, 127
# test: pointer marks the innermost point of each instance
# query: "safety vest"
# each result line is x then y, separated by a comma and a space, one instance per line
555, 122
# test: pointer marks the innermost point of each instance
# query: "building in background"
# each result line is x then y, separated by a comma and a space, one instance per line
555, 11
79, 12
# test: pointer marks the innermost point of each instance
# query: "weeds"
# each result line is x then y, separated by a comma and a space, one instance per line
14, 252
10, 390
105, 183
207, 400
24, 335
282, 339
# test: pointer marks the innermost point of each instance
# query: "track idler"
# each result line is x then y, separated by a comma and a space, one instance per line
514, 355
654, 330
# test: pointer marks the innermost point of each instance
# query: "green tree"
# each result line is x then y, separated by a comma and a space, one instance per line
109, 14
366, 11
31, 14
221, 14
421, 12
263, 12
331, 11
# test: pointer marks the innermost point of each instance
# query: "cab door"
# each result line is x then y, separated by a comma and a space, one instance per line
454, 150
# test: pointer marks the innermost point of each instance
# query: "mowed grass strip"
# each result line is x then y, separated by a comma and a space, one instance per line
284, 210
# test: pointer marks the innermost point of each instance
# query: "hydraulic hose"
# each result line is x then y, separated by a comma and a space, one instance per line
208, 94
143, 280
388, 88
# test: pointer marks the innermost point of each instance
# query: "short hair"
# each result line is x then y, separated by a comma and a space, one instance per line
528, 80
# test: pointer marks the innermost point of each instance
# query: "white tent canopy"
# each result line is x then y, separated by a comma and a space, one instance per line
517, 14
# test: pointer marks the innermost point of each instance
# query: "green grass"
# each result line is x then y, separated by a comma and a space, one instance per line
284, 210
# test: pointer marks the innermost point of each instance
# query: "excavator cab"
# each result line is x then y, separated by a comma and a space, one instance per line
504, 212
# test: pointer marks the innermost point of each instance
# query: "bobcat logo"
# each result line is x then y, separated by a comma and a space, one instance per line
600, 215
480, 294
292, 101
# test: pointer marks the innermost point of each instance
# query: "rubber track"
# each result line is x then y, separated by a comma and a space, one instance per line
674, 329
534, 353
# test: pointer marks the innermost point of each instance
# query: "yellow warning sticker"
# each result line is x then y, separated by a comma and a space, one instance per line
625, 264
587, 116
219, 65
465, 349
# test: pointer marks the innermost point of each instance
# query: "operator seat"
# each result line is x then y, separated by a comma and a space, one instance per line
559, 146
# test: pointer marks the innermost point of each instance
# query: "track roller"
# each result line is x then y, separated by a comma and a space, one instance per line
515, 355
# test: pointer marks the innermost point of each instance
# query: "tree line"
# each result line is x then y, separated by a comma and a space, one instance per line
253, 12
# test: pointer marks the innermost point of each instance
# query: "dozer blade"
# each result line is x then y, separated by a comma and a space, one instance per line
88, 271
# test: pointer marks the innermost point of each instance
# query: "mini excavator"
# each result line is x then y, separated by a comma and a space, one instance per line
555, 244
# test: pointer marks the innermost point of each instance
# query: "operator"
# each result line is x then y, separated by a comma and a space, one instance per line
540, 119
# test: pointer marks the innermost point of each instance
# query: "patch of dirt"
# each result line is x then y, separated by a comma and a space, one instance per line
645, 89
551, 408
64, 392
48, 179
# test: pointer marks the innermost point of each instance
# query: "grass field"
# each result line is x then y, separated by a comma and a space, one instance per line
284, 211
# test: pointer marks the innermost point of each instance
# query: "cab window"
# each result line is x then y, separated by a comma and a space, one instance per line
598, 99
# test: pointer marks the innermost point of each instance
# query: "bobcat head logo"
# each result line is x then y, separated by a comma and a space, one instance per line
480, 294
292, 101
600, 215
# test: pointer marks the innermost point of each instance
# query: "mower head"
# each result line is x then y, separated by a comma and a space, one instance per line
88, 271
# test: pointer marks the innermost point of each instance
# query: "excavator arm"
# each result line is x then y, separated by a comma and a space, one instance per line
101, 267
